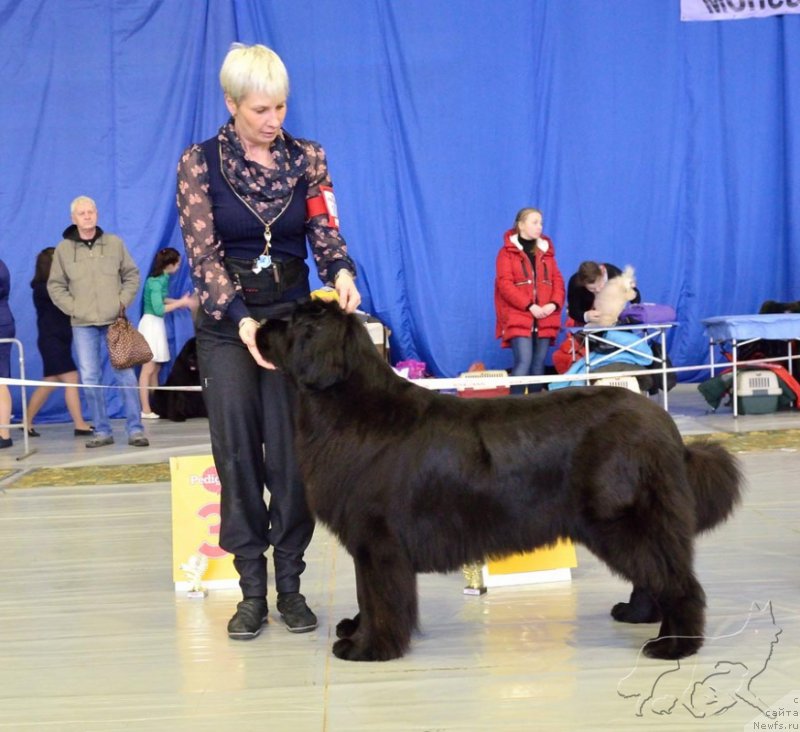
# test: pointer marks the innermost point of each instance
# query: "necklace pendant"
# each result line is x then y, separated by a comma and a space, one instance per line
263, 262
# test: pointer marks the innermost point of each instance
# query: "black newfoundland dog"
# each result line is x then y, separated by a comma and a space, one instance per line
412, 481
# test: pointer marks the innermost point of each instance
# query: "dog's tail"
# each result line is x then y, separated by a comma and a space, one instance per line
716, 480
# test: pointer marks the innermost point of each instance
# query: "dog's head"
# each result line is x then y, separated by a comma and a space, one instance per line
317, 347
628, 283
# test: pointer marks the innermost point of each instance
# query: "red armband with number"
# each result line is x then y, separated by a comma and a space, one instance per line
324, 203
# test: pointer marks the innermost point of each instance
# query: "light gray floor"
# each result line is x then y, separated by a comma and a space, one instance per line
93, 636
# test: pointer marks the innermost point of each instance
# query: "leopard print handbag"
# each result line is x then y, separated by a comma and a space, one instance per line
127, 347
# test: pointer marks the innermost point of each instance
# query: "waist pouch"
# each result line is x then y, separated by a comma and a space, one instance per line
268, 285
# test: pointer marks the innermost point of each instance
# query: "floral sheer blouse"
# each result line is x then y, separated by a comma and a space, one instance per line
204, 248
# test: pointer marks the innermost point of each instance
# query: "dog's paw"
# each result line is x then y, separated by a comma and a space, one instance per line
344, 649
349, 650
347, 627
627, 612
672, 647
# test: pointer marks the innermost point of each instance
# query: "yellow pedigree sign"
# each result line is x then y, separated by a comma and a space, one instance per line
196, 518
560, 555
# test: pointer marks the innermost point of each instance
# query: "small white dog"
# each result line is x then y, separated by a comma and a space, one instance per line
613, 298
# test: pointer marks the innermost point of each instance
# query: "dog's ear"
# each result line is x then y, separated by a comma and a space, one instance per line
318, 339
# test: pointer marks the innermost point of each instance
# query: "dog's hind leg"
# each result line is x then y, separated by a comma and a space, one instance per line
683, 609
387, 603
659, 564
640, 520
640, 608
664, 585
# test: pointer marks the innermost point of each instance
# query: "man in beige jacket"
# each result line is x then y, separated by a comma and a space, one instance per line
92, 277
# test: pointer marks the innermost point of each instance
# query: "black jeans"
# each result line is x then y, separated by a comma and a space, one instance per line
250, 417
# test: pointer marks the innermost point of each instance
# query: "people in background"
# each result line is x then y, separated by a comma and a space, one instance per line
590, 278
249, 200
528, 295
55, 347
152, 327
91, 279
7, 330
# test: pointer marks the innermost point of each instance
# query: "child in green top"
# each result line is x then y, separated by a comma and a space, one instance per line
151, 325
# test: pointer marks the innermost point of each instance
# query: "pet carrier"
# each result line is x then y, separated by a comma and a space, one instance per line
483, 388
758, 392
626, 382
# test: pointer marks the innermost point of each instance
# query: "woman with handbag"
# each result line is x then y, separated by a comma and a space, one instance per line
248, 200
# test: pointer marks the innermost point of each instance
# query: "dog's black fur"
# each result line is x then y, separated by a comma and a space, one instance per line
179, 406
412, 481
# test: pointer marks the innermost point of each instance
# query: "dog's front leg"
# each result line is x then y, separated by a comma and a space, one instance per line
387, 604
347, 627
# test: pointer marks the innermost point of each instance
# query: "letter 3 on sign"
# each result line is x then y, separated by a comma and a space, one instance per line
213, 551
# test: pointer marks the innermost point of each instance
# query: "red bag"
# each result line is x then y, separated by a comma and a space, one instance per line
570, 351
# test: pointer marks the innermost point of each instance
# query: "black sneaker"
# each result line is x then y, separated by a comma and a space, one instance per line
249, 619
295, 613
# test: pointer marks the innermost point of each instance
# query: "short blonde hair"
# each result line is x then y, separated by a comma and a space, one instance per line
79, 200
254, 68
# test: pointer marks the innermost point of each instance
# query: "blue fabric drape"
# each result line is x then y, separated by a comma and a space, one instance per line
646, 141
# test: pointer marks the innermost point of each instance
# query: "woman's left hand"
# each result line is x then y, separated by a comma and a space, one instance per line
247, 332
349, 297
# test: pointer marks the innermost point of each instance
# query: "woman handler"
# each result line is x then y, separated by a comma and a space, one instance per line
249, 199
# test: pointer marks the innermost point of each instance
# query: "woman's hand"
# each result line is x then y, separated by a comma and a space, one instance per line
542, 311
247, 332
345, 286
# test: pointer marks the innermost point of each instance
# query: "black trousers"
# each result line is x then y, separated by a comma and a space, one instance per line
250, 417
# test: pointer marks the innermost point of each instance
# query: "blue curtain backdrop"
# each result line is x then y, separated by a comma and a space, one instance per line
670, 146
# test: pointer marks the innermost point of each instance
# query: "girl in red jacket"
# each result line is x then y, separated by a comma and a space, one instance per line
528, 295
